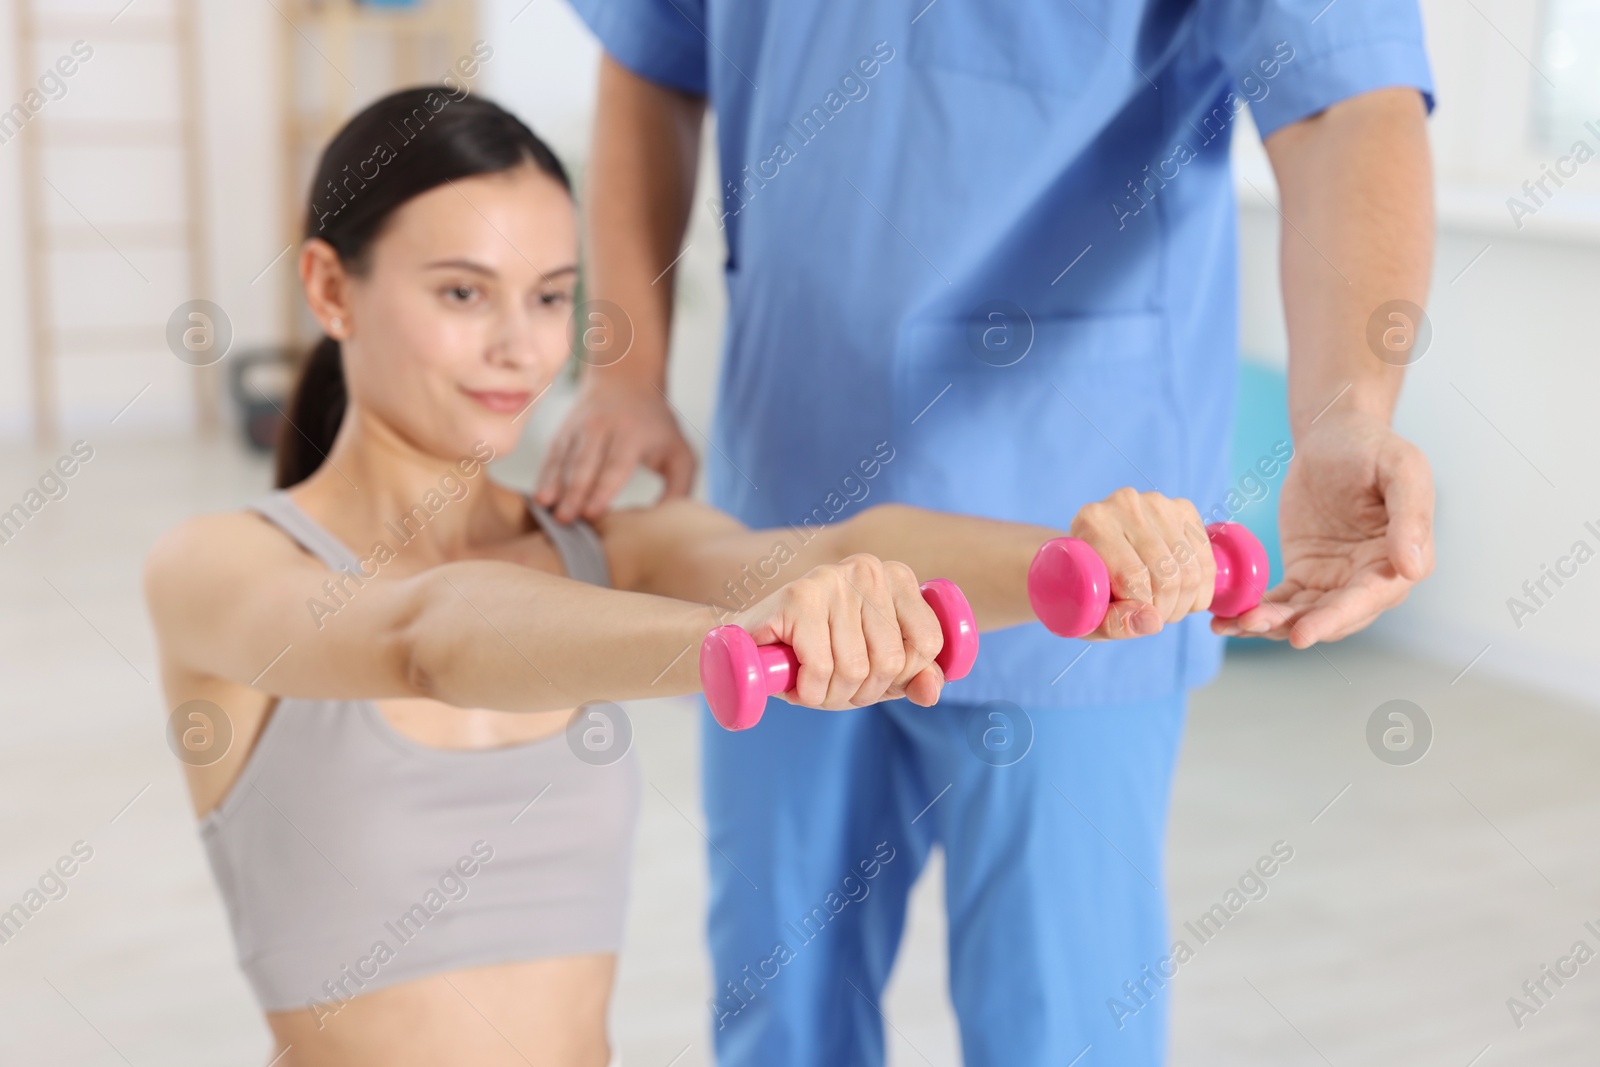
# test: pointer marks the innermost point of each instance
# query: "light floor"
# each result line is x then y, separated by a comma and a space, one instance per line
1417, 901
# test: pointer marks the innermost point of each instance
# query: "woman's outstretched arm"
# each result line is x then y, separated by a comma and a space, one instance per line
233, 599
1155, 549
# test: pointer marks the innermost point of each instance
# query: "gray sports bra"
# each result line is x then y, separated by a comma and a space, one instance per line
351, 857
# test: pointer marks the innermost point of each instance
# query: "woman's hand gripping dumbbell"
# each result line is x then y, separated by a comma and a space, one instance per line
843, 635
1138, 560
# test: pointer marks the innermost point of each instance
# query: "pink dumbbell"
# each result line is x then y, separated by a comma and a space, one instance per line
738, 675
1070, 589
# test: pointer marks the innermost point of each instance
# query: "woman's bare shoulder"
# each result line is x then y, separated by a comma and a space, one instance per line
206, 549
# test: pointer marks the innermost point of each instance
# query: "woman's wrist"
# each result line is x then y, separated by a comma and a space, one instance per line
678, 672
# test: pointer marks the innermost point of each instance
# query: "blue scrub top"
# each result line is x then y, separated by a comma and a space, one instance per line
982, 257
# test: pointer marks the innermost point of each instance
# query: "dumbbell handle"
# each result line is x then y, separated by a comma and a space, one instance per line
738, 675
1070, 589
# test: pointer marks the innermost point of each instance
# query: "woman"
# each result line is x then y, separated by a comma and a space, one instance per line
418, 870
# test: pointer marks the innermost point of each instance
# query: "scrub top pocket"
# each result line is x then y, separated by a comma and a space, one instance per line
1052, 47
1087, 407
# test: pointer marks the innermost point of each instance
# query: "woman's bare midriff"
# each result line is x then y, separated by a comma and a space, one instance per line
536, 1013
437, 725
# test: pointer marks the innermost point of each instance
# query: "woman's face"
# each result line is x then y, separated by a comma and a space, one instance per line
462, 317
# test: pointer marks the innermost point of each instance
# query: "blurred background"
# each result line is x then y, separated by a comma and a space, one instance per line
1428, 883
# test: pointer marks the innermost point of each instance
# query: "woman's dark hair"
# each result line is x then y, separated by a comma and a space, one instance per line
401, 146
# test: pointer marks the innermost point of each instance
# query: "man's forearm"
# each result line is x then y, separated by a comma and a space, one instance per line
1356, 190
640, 188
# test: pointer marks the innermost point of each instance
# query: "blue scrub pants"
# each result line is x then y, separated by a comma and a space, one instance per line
820, 822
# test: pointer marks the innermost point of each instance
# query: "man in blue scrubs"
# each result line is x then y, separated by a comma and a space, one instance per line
981, 258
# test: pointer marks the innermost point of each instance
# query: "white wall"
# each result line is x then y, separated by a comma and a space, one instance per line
14, 377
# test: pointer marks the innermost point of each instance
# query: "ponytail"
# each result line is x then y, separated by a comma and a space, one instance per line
315, 411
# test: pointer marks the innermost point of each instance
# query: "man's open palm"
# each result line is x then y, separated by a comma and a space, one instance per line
1356, 529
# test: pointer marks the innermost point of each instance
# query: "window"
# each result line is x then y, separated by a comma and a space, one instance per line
1569, 57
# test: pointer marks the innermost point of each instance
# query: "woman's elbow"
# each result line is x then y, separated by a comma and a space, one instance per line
420, 641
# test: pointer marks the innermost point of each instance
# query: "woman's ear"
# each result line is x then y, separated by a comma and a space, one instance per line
327, 287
